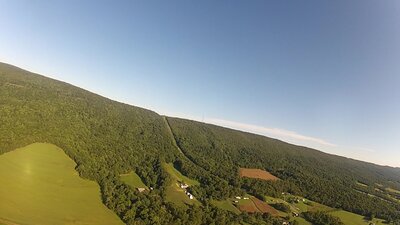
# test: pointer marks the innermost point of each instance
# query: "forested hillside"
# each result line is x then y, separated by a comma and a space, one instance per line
107, 138
325, 178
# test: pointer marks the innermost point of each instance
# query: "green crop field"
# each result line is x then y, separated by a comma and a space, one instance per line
133, 180
39, 185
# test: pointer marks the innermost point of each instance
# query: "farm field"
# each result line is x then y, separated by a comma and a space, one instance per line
264, 207
226, 205
247, 205
256, 173
174, 192
178, 175
133, 180
349, 218
41, 186
253, 204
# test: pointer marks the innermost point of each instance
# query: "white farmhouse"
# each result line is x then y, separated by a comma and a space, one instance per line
184, 186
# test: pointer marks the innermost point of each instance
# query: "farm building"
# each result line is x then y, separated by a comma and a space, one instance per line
184, 186
190, 195
141, 189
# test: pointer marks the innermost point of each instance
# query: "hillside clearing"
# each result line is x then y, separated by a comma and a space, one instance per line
174, 192
256, 173
226, 205
169, 167
133, 180
43, 188
302, 221
349, 218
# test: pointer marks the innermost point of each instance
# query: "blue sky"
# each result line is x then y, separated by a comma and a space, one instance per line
324, 74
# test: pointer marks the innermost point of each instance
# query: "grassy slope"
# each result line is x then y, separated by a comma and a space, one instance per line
174, 193
302, 221
347, 218
104, 137
133, 180
226, 205
42, 187
176, 175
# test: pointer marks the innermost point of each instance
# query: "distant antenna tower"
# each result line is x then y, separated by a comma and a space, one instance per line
202, 118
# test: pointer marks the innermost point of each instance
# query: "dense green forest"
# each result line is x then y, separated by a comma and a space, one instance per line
107, 138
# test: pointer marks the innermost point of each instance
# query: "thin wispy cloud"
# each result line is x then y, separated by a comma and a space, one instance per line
362, 149
285, 135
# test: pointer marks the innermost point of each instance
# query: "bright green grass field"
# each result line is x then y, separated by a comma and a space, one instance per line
39, 185
226, 205
349, 218
178, 176
176, 194
133, 180
302, 221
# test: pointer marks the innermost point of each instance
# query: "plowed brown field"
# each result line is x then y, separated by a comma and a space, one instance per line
264, 207
248, 207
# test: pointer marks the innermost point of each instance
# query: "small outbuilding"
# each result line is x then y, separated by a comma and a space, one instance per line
141, 189
184, 186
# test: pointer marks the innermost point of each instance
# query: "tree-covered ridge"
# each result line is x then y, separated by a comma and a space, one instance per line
318, 176
105, 138
96, 132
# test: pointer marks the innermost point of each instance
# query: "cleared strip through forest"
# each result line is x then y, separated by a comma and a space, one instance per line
176, 144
